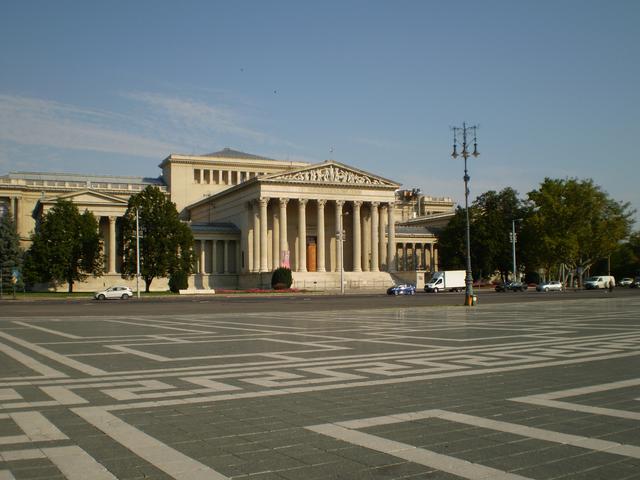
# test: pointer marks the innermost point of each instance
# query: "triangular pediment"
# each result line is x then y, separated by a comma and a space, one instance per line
332, 173
87, 197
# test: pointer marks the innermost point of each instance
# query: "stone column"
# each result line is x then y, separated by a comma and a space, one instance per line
16, 216
436, 259
365, 232
302, 235
431, 257
357, 238
283, 228
202, 257
391, 243
264, 262
226, 256
339, 258
13, 210
374, 236
112, 245
275, 240
404, 256
256, 237
238, 255
414, 255
382, 250
320, 246
214, 257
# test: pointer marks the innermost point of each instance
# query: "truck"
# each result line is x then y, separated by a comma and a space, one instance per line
599, 281
451, 280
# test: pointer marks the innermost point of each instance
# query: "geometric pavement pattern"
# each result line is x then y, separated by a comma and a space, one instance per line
496, 392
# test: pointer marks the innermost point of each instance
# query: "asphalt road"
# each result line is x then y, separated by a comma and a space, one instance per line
298, 302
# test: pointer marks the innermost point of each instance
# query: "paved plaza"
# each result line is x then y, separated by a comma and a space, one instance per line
533, 390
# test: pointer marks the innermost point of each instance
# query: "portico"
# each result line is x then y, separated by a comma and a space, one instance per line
291, 219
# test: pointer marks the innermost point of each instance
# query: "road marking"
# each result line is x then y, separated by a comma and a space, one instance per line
550, 399
160, 455
348, 431
445, 463
28, 361
37, 427
76, 464
81, 367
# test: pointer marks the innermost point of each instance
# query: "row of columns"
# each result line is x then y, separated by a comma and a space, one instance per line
375, 236
214, 256
426, 250
12, 209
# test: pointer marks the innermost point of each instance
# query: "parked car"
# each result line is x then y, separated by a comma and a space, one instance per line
636, 283
599, 281
123, 293
625, 282
552, 286
402, 289
511, 287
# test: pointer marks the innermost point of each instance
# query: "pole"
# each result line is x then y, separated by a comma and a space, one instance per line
468, 281
341, 253
137, 254
469, 298
513, 248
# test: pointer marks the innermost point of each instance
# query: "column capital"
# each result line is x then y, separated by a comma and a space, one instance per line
264, 200
375, 204
357, 203
302, 201
339, 203
321, 202
112, 218
283, 201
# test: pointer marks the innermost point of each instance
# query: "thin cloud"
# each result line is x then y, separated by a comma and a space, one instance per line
197, 120
36, 122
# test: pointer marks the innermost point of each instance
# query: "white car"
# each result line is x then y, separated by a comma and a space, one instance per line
124, 293
552, 286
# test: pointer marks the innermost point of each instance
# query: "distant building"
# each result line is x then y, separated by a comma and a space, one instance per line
250, 214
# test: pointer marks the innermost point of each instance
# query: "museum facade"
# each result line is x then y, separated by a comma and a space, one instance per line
251, 214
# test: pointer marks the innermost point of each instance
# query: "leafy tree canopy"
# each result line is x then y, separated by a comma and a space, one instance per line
166, 244
576, 223
490, 215
65, 246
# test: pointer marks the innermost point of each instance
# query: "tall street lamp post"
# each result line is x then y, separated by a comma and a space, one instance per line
469, 299
513, 246
137, 254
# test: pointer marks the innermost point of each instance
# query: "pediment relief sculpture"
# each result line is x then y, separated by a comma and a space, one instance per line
331, 174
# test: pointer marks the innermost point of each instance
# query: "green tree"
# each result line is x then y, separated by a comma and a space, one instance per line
65, 247
494, 213
451, 243
624, 261
10, 251
490, 217
576, 223
166, 243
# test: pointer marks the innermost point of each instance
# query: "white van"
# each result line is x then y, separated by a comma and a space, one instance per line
599, 281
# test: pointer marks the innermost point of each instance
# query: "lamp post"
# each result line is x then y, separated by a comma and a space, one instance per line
340, 239
513, 246
468, 297
137, 254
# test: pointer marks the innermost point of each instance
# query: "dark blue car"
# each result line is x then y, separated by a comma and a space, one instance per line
402, 289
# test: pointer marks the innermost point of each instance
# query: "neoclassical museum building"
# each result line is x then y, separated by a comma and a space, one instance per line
250, 214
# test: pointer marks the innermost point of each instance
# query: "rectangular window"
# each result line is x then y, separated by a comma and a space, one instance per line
207, 178
196, 175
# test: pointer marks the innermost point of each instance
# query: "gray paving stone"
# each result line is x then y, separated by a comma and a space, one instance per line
239, 400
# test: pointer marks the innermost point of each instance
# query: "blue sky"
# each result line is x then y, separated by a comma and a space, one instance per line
114, 87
